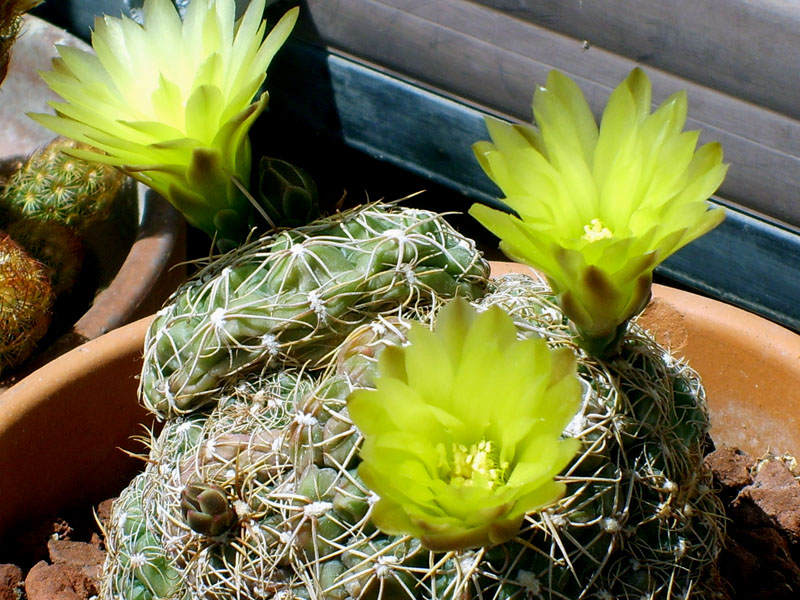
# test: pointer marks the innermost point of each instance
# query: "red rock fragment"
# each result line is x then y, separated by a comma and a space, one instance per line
10, 582
731, 467
776, 492
58, 582
82, 555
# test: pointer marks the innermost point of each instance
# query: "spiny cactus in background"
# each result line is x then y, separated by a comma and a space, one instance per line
57, 246
26, 299
294, 295
11, 12
638, 520
52, 185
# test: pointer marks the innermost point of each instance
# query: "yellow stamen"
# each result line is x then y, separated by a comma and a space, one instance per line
474, 465
596, 230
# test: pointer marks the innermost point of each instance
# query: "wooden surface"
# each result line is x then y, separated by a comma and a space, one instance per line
747, 49
495, 58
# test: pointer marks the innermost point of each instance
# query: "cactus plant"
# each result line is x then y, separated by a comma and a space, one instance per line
26, 299
53, 186
294, 295
11, 12
638, 520
57, 246
270, 368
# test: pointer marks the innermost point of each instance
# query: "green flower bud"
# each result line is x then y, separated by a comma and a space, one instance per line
287, 193
463, 431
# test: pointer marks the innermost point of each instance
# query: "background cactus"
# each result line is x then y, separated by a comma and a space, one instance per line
11, 12
26, 299
52, 185
639, 519
57, 246
292, 297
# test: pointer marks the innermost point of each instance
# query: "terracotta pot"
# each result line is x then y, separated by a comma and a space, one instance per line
63, 429
750, 367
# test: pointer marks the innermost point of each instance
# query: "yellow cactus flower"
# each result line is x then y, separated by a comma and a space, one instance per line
171, 102
598, 210
463, 433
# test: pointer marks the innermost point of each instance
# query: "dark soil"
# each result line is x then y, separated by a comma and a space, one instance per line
59, 560
62, 560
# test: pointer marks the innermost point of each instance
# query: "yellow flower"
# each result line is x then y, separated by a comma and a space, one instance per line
462, 435
597, 211
171, 102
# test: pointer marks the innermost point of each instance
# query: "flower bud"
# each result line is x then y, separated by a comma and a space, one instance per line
206, 509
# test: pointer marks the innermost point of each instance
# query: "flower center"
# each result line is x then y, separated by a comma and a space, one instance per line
596, 230
476, 465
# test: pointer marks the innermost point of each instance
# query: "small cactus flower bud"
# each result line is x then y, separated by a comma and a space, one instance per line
206, 509
287, 193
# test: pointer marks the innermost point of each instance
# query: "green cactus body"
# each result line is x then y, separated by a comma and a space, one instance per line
52, 185
639, 519
26, 300
293, 296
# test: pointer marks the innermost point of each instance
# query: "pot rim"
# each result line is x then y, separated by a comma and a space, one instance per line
161, 230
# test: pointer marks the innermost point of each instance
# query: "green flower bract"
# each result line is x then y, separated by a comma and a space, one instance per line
171, 102
463, 433
598, 210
